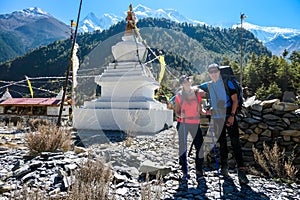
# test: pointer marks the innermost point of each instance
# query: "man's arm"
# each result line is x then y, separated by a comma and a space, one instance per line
203, 86
235, 103
231, 117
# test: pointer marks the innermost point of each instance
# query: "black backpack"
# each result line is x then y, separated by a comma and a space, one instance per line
227, 74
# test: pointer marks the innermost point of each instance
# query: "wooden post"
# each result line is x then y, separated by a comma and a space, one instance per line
69, 68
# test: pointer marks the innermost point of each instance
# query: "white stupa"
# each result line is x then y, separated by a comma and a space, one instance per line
127, 95
6, 95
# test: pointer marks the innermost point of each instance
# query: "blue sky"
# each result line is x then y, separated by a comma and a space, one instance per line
280, 13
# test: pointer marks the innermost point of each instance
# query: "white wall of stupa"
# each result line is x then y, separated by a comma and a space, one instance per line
127, 95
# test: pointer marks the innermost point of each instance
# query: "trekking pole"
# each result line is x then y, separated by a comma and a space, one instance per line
191, 148
215, 151
193, 142
185, 143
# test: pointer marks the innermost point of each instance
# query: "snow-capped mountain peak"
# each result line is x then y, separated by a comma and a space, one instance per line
275, 38
171, 14
249, 26
32, 12
270, 36
141, 8
113, 18
266, 34
91, 22
92, 16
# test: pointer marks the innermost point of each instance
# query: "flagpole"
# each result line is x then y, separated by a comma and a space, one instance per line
242, 16
69, 67
72, 92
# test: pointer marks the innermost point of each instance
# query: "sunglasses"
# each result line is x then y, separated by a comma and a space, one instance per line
186, 80
213, 71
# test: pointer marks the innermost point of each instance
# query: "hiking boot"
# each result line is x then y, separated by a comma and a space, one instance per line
185, 176
183, 182
242, 176
183, 186
224, 171
199, 175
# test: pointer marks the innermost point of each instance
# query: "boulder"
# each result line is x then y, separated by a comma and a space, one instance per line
271, 117
289, 96
269, 103
266, 133
285, 106
257, 107
253, 138
293, 133
262, 125
153, 168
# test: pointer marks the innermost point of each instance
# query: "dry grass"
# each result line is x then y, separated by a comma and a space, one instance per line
48, 139
128, 141
10, 125
27, 192
92, 181
290, 169
274, 162
35, 123
151, 190
20, 125
131, 132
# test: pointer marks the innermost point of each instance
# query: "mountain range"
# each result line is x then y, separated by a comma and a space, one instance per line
91, 22
274, 38
28, 29
187, 50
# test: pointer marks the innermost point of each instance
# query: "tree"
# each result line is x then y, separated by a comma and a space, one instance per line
251, 75
285, 53
260, 92
284, 75
272, 92
295, 56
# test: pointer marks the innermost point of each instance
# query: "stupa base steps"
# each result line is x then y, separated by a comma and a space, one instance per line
131, 121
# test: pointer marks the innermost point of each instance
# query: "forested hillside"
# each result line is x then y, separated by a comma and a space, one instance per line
27, 29
187, 49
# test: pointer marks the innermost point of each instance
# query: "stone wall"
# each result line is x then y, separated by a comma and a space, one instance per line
270, 121
267, 121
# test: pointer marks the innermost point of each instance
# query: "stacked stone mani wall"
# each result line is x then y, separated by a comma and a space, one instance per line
266, 122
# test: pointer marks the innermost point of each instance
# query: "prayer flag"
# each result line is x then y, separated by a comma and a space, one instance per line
29, 86
162, 68
73, 24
